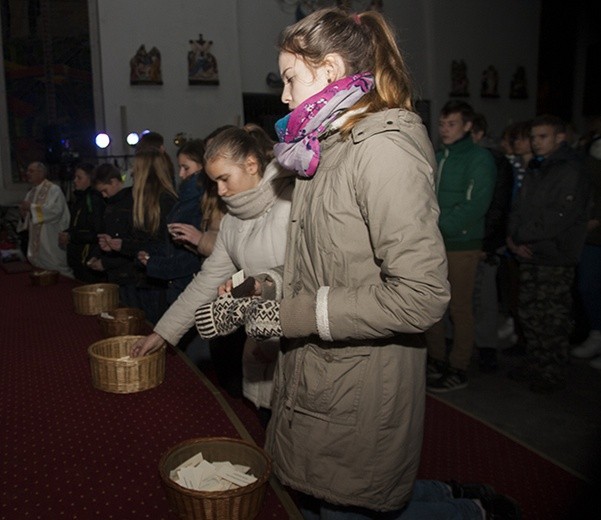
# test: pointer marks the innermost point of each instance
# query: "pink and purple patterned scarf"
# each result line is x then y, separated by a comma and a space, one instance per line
299, 131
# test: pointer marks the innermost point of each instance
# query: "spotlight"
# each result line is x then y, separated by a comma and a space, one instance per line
132, 139
102, 140
144, 132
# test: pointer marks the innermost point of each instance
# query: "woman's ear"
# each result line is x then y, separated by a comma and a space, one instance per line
252, 165
335, 67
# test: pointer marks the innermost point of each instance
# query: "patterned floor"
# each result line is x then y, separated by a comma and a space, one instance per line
71, 451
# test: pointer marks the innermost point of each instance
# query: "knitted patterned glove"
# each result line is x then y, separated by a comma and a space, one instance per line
263, 319
221, 317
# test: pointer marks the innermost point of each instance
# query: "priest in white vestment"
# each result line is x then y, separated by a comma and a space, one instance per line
45, 213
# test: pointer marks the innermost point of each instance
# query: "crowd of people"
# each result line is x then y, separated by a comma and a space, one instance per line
520, 225
373, 267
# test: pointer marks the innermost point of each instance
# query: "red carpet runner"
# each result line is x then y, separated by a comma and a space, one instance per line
459, 447
70, 451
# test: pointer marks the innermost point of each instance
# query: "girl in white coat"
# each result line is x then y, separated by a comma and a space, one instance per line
257, 192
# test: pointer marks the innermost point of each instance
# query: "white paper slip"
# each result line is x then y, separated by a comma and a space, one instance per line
231, 475
241, 468
194, 460
238, 278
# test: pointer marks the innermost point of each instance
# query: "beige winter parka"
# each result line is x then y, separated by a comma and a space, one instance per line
364, 241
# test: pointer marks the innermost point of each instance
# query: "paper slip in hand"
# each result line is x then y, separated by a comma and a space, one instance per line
107, 316
238, 278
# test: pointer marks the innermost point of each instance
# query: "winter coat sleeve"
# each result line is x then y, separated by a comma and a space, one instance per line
178, 319
394, 190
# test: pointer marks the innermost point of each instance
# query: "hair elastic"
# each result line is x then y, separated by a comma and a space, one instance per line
357, 19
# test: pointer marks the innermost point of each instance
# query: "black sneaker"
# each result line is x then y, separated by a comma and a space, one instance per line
501, 507
450, 380
434, 368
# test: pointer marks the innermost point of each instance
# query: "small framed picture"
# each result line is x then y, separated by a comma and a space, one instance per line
145, 67
459, 80
518, 88
489, 83
202, 65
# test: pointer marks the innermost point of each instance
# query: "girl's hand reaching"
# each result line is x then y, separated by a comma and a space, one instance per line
185, 233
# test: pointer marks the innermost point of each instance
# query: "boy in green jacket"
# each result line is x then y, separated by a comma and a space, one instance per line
465, 182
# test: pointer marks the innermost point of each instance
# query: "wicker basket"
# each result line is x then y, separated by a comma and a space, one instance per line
43, 277
95, 298
125, 321
243, 503
111, 374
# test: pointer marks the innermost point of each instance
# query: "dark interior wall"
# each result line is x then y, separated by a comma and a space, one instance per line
562, 26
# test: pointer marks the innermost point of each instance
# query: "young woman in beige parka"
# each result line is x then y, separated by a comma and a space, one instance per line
365, 270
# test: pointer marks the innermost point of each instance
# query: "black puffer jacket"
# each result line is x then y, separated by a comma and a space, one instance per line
496, 218
551, 212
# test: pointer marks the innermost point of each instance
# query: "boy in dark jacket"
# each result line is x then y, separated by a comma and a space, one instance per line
547, 228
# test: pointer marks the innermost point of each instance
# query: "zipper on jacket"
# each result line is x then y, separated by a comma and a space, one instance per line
470, 188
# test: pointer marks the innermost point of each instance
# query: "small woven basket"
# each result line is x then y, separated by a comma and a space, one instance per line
124, 321
39, 277
95, 298
243, 503
112, 374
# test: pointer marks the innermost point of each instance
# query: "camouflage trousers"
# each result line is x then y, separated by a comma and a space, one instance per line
544, 310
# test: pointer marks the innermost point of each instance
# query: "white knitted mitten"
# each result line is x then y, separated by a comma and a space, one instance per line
221, 317
263, 319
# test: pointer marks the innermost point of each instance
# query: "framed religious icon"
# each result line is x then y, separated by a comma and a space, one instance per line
145, 67
459, 80
202, 65
519, 87
489, 83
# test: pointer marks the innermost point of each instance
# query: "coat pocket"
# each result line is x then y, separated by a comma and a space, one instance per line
331, 383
